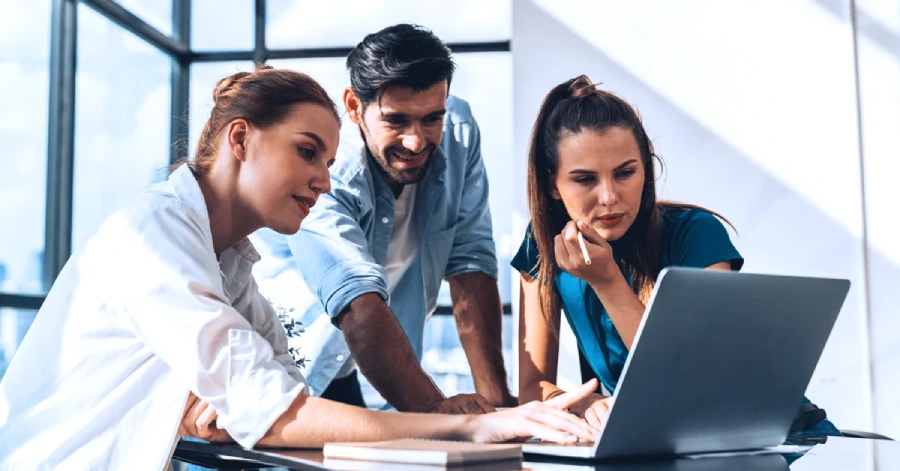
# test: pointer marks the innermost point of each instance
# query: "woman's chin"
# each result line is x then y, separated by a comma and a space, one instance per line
609, 235
287, 227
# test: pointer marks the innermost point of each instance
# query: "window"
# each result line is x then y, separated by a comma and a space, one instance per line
13, 325
121, 120
24, 66
157, 13
328, 71
292, 24
222, 25
127, 79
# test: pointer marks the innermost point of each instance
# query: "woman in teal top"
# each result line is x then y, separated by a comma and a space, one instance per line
591, 174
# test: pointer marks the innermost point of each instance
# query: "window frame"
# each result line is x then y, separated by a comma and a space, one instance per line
61, 118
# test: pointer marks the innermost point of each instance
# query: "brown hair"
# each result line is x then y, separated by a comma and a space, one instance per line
570, 107
262, 97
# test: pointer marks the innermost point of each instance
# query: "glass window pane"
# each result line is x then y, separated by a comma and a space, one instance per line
222, 25
24, 66
328, 71
204, 77
293, 24
122, 119
13, 325
157, 13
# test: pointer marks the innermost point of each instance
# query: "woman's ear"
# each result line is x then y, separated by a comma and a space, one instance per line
551, 185
236, 134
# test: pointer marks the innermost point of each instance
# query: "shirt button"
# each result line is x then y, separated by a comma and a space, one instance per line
385, 220
339, 358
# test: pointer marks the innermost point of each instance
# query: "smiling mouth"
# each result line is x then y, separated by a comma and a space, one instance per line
411, 159
304, 203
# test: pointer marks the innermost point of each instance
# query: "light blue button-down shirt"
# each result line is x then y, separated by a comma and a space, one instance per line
341, 249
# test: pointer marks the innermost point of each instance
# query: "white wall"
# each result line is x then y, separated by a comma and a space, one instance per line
878, 34
752, 105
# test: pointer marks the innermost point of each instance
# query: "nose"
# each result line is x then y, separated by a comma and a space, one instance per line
321, 181
414, 139
608, 193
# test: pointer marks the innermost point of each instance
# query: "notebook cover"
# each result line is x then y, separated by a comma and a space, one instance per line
430, 452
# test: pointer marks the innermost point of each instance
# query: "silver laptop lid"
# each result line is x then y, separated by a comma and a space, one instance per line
724, 359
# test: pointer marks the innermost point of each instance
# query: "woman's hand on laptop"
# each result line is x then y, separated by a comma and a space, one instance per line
593, 409
547, 420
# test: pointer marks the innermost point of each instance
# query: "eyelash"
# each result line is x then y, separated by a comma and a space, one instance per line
307, 154
620, 174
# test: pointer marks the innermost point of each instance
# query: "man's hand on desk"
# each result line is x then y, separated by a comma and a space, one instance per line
199, 421
463, 404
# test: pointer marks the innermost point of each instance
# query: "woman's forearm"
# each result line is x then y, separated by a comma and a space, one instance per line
312, 421
540, 390
624, 307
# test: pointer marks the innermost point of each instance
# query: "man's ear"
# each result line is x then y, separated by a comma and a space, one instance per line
353, 105
237, 138
551, 185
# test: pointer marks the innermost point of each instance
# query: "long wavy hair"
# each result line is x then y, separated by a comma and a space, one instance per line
570, 107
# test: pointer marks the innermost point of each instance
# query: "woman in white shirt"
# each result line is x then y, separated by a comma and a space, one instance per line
159, 309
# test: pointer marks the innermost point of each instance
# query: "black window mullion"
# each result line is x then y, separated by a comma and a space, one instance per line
21, 301
324, 52
140, 28
60, 139
260, 54
181, 81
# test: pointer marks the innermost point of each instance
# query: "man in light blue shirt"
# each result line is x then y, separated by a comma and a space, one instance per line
408, 208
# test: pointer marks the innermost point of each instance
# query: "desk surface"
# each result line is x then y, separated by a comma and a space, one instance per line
833, 455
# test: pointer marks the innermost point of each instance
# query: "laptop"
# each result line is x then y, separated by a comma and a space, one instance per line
720, 363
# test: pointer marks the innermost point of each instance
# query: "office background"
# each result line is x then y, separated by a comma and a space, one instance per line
780, 114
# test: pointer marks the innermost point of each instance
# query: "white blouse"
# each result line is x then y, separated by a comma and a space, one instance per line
140, 317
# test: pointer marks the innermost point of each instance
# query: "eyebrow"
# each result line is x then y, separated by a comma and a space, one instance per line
581, 171
624, 164
319, 142
390, 114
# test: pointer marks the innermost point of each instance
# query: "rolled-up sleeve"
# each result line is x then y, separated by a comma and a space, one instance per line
332, 254
473, 242
176, 305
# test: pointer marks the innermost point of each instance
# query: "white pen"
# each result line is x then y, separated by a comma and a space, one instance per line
587, 258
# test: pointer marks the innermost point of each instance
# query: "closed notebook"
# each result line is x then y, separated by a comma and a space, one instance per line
429, 452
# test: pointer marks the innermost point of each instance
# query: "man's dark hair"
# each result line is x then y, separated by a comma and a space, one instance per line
401, 55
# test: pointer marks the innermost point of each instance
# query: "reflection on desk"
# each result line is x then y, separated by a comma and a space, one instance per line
743, 463
835, 454
351, 465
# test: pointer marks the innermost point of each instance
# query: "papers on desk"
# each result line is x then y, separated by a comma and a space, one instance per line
429, 453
